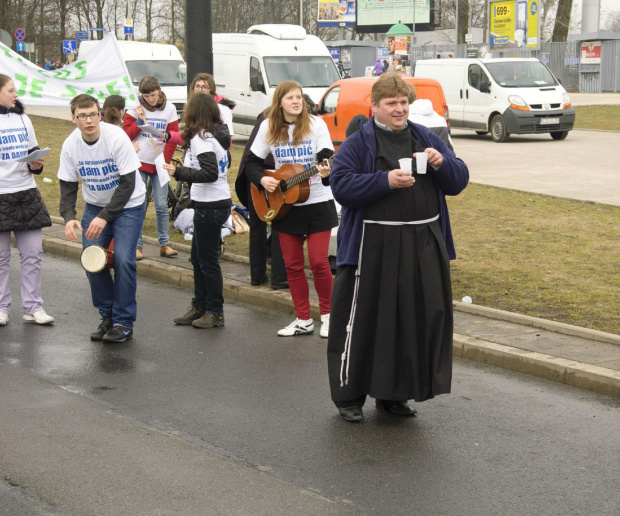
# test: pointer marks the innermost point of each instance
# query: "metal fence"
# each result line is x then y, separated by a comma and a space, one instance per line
563, 59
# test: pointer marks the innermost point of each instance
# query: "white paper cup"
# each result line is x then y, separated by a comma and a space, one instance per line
405, 163
421, 159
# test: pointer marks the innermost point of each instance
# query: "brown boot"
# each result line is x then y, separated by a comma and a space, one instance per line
167, 251
139, 255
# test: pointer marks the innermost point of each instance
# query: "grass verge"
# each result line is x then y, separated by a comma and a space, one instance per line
531, 254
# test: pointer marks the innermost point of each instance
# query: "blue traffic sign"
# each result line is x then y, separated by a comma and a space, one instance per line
20, 34
81, 35
97, 29
69, 46
21, 46
129, 30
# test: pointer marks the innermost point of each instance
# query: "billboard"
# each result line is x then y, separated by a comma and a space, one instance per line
513, 24
336, 13
376, 16
590, 52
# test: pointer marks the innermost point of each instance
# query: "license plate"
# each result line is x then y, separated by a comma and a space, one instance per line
549, 121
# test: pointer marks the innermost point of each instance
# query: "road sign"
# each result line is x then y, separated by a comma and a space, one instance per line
128, 22
468, 38
69, 46
20, 34
97, 29
81, 35
129, 30
21, 46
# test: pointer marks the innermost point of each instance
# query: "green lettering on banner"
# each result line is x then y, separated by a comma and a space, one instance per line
36, 87
81, 66
131, 95
6, 52
59, 74
110, 87
24, 84
72, 92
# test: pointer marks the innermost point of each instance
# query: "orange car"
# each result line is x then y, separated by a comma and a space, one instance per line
349, 97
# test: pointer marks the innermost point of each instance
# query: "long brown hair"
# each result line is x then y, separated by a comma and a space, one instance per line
278, 128
201, 114
112, 108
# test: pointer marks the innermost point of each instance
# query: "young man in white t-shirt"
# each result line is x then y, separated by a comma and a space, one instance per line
103, 158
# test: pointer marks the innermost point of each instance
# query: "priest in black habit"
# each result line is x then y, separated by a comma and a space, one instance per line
391, 315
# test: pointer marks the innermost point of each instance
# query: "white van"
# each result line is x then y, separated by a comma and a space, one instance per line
248, 67
502, 96
163, 62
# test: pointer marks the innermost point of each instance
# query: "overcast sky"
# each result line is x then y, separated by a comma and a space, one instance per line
608, 7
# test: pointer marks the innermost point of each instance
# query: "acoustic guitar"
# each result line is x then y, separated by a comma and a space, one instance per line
293, 188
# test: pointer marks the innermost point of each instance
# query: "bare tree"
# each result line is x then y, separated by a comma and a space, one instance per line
562, 20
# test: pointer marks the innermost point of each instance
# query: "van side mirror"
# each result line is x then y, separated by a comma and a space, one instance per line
485, 86
256, 84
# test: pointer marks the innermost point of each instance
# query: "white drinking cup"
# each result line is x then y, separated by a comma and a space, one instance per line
405, 163
421, 159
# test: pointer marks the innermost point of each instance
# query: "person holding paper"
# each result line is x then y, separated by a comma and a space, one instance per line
206, 163
22, 210
154, 110
391, 320
103, 158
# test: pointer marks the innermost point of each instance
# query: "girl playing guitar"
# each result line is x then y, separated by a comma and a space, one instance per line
293, 136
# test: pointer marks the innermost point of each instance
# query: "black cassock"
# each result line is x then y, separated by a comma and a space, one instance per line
391, 321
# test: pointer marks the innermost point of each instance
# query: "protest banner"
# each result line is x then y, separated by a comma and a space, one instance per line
100, 74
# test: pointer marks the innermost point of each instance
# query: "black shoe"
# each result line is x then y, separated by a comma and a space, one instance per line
118, 334
396, 407
209, 320
279, 286
189, 317
104, 327
351, 414
256, 282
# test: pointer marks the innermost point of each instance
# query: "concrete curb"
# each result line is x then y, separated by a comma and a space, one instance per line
577, 374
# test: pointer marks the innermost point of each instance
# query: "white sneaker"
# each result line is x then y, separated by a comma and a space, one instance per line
297, 327
39, 317
4, 318
324, 326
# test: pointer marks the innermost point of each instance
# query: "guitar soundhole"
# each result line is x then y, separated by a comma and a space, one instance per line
283, 186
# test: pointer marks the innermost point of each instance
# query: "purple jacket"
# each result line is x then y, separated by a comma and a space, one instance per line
355, 184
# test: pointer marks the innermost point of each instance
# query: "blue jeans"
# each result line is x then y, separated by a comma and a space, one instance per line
208, 282
160, 199
116, 297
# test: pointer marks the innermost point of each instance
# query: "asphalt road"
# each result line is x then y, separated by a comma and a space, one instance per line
232, 412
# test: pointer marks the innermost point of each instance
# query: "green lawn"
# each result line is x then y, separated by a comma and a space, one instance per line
521, 252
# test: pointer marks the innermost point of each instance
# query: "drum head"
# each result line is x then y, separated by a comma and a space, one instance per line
93, 258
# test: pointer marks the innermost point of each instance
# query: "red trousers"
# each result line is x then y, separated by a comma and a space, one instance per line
293, 253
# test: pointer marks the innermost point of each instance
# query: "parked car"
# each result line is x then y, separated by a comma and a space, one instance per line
349, 97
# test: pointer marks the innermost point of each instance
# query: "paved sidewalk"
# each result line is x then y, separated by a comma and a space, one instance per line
580, 357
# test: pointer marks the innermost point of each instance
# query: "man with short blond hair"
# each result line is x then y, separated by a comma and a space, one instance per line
103, 158
391, 314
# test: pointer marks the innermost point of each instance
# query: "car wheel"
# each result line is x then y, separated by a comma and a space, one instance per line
499, 132
482, 133
561, 135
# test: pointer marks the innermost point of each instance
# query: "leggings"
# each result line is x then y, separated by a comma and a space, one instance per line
293, 252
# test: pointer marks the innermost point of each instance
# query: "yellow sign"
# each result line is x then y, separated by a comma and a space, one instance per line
514, 24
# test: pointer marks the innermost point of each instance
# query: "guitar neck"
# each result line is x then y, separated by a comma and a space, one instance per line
304, 176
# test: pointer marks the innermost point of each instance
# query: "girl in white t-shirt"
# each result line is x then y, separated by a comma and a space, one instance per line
293, 136
155, 110
206, 164
22, 210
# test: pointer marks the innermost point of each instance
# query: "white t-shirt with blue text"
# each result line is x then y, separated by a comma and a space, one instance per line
99, 166
16, 137
303, 154
208, 192
160, 120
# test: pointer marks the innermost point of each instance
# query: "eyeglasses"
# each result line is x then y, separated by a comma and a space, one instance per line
83, 116
202, 88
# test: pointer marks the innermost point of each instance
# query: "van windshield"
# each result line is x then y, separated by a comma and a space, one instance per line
310, 72
168, 73
521, 74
